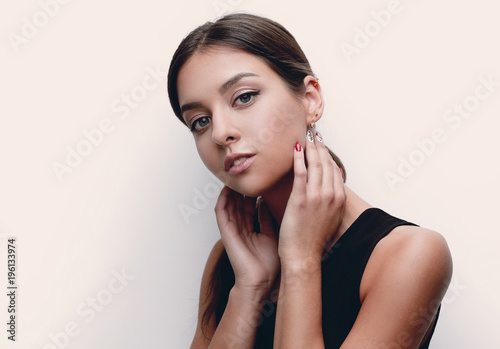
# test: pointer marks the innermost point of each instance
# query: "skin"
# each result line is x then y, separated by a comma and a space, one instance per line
408, 271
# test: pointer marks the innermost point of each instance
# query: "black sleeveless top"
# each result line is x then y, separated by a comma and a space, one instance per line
341, 272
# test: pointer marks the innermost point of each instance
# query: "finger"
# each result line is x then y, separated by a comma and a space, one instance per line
244, 208
220, 205
299, 171
333, 177
328, 165
227, 219
314, 166
223, 211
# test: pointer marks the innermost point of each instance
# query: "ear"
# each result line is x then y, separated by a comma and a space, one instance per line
314, 99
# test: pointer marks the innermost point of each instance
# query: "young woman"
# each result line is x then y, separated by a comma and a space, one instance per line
302, 261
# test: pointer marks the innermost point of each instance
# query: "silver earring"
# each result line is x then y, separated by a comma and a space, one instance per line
310, 136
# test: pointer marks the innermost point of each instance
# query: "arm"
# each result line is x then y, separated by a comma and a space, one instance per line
238, 324
298, 318
254, 259
403, 284
311, 220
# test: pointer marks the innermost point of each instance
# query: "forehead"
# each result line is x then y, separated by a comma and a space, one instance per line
207, 70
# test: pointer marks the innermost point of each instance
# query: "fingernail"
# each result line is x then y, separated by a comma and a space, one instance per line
319, 137
298, 147
310, 136
342, 172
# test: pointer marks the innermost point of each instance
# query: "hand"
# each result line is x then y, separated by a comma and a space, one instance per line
253, 256
315, 207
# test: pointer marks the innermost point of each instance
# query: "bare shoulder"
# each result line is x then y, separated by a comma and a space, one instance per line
402, 287
410, 252
414, 242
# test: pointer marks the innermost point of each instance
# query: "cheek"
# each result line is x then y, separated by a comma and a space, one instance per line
286, 126
283, 128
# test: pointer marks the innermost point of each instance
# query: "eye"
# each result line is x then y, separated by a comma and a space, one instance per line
200, 123
246, 98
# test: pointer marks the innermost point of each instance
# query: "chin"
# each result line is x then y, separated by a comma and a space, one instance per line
249, 186
259, 183
255, 188
250, 192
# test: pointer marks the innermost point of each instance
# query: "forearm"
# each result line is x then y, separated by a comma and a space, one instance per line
238, 326
298, 318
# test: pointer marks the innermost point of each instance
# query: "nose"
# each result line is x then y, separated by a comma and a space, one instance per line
224, 131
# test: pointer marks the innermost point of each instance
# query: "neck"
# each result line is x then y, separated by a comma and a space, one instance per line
277, 199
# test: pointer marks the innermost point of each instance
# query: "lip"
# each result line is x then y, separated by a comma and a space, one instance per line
240, 167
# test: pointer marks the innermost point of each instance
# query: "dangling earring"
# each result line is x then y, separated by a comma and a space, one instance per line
313, 124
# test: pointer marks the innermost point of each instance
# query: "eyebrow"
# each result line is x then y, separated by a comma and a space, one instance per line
189, 106
225, 86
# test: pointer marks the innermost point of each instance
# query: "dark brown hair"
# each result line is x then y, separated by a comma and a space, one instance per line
277, 47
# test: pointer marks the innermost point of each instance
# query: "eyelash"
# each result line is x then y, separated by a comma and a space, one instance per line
251, 94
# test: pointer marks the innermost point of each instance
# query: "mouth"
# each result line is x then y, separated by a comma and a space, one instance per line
237, 163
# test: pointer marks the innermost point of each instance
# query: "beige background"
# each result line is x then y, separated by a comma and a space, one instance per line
119, 209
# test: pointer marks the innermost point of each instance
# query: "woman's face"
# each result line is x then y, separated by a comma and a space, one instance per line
235, 104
